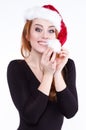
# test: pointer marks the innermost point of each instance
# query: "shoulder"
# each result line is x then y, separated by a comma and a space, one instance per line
70, 63
16, 62
15, 65
70, 66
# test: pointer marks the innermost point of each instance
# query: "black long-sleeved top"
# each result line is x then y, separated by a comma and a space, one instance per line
35, 109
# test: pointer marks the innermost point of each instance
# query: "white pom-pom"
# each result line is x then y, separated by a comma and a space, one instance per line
55, 44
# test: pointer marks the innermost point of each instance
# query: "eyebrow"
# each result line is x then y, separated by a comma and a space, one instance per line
42, 26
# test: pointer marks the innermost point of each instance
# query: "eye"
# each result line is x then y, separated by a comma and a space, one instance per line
51, 31
38, 29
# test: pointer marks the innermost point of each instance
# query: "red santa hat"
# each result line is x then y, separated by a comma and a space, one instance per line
50, 13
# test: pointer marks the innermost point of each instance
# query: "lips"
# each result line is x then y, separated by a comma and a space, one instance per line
43, 42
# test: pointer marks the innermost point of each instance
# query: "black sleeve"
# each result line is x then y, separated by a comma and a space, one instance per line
67, 99
30, 105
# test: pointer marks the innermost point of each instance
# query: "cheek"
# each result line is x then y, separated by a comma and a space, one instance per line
52, 36
34, 36
33, 39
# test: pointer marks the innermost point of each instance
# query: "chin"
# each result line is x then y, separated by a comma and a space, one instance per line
42, 50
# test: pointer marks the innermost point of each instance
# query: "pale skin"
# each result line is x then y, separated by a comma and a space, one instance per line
42, 59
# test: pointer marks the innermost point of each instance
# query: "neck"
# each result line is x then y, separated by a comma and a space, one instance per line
34, 59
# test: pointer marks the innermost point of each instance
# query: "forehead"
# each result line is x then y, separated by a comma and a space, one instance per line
42, 22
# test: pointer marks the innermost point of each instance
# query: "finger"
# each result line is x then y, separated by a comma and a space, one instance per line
46, 53
64, 53
49, 54
63, 50
53, 57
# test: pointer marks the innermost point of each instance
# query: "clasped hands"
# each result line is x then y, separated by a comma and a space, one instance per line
53, 63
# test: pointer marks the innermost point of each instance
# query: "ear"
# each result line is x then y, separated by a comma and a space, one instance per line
27, 37
62, 35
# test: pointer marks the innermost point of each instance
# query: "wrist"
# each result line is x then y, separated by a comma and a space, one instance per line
59, 82
45, 85
57, 74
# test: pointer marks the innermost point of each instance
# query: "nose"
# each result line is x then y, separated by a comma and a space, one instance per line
45, 35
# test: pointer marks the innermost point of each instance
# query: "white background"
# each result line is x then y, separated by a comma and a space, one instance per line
11, 25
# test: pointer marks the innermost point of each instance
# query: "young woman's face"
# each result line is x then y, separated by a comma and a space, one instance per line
41, 31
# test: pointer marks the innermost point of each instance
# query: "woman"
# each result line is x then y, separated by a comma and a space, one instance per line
43, 84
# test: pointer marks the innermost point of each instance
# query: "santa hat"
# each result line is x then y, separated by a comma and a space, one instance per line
50, 13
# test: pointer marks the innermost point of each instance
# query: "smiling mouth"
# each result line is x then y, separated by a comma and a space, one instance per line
43, 43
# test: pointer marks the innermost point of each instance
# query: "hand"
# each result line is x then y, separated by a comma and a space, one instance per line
48, 61
61, 60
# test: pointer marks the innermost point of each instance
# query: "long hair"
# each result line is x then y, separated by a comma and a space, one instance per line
26, 47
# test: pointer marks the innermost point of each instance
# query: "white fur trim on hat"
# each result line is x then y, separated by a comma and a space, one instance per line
44, 13
55, 44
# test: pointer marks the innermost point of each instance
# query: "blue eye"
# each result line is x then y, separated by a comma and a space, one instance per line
51, 31
38, 29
